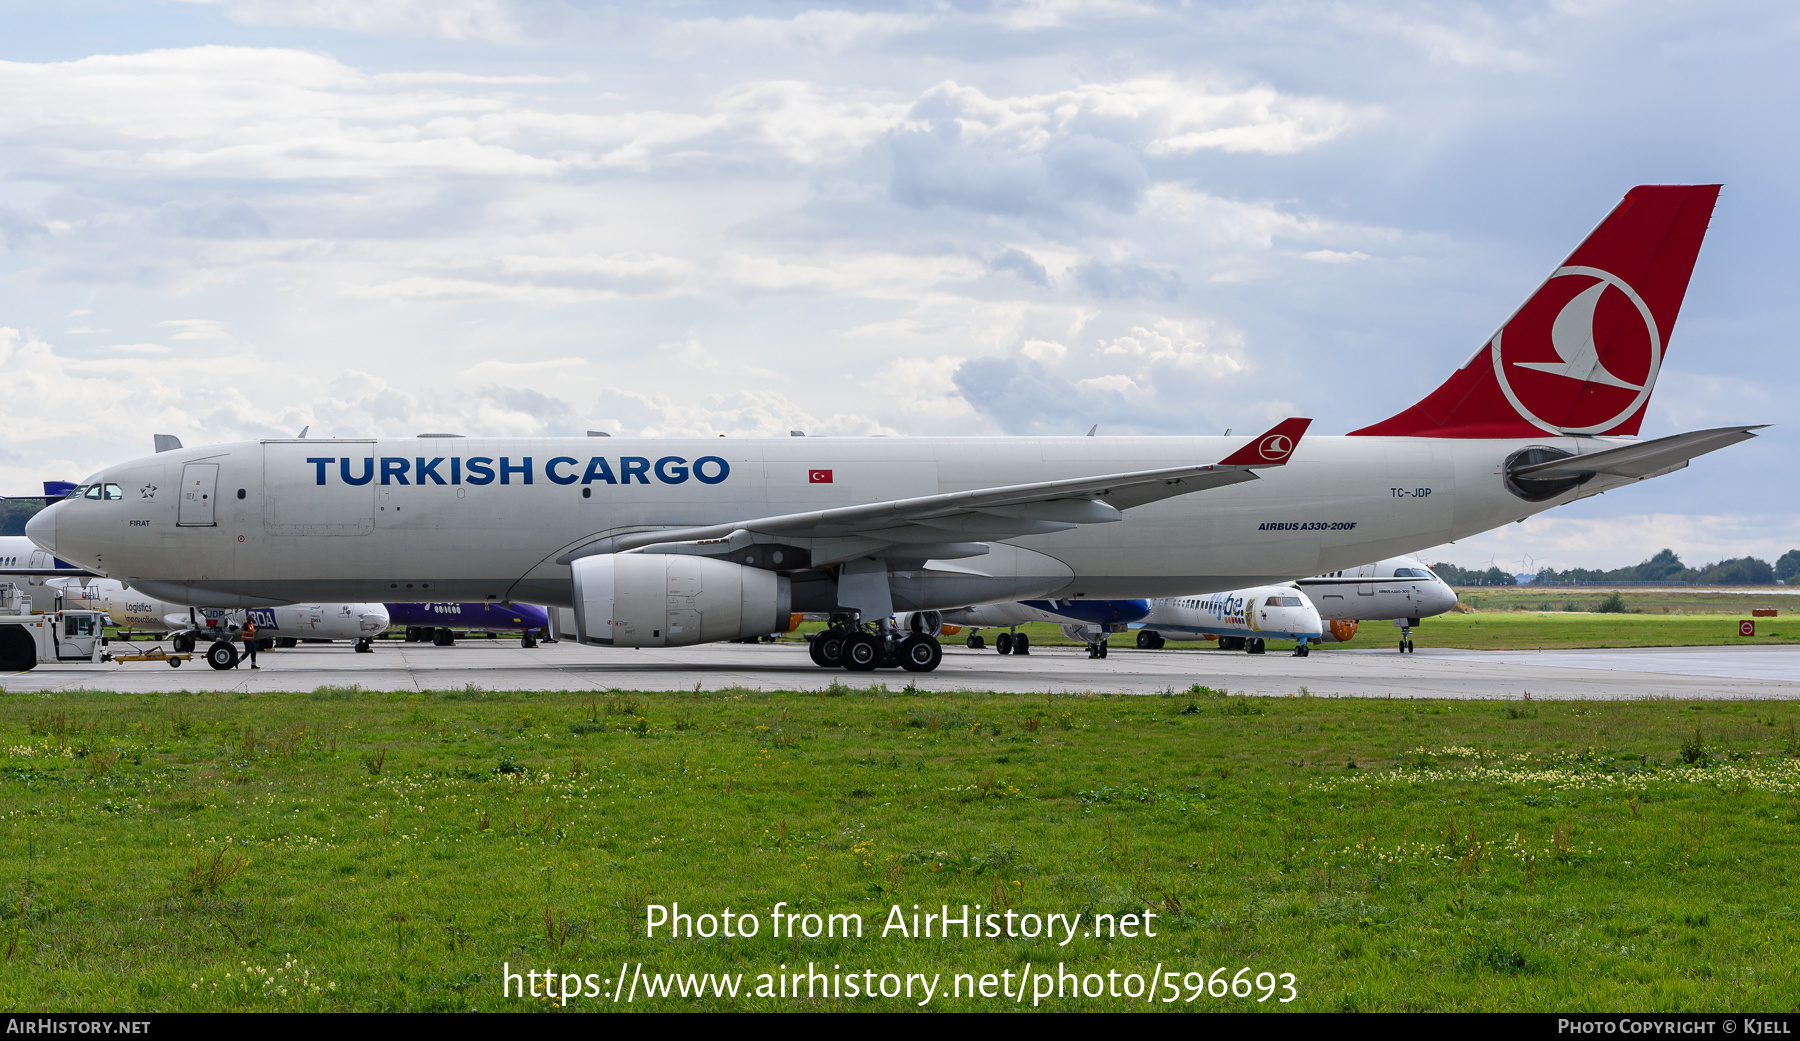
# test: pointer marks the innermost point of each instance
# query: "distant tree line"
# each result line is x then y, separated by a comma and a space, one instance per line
1472, 577
14, 513
1663, 569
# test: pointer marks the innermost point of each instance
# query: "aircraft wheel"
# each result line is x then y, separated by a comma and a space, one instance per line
364, 647
1146, 640
222, 656
1004, 643
529, 639
17, 651
123, 637
1302, 651
976, 642
920, 654
1256, 646
861, 653
184, 643
286, 641
1021, 644
1102, 651
443, 638
827, 649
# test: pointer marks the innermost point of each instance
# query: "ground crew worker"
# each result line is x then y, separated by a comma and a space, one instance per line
249, 634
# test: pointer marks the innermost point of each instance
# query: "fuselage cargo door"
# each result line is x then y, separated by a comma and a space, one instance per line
199, 492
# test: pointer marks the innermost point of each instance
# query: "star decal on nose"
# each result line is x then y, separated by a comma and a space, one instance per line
148, 491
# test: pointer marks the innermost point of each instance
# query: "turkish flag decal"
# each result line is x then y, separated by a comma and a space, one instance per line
818, 477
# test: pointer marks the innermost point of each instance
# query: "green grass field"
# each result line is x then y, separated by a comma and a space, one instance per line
350, 850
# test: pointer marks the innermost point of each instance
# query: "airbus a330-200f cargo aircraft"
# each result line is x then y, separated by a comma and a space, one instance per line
664, 541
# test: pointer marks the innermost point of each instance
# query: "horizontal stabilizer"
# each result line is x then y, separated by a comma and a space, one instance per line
1647, 459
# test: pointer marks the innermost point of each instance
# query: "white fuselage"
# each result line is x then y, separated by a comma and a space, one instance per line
1398, 587
1268, 612
277, 523
131, 610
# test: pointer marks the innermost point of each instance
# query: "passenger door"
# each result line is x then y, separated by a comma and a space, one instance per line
199, 492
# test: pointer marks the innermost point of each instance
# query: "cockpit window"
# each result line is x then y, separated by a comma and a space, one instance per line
1284, 601
113, 492
89, 491
1411, 572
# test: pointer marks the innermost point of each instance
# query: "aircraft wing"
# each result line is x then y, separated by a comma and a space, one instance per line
953, 524
1645, 459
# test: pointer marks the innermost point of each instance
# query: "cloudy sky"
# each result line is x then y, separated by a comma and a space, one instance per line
240, 218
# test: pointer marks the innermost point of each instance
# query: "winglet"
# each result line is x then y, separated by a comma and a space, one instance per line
1271, 449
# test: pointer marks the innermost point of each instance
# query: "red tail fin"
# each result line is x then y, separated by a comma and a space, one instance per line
1581, 355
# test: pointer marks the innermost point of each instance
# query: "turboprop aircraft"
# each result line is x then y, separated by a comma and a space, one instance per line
1240, 619
669, 541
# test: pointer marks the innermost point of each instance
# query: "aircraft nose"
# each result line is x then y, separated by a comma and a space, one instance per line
41, 529
1441, 598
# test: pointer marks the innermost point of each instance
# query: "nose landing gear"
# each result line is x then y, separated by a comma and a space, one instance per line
222, 655
1302, 649
1406, 628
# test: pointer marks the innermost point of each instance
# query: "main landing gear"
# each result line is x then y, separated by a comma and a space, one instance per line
860, 649
1150, 640
1012, 642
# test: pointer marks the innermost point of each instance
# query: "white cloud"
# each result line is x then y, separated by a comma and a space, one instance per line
491, 20
1177, 344
1562, 543
1332, 256
196, 329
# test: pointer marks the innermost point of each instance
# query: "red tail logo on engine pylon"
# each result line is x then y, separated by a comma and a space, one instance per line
1581, 355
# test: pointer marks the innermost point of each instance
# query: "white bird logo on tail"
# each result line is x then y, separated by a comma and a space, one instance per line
1572, 335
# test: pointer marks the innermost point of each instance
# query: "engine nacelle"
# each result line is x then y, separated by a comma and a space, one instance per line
669, 600
927, 623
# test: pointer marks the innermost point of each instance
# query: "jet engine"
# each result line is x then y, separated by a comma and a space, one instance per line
669, 600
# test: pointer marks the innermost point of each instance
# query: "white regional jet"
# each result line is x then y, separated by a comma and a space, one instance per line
285, 625
1402, 589
668, 541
